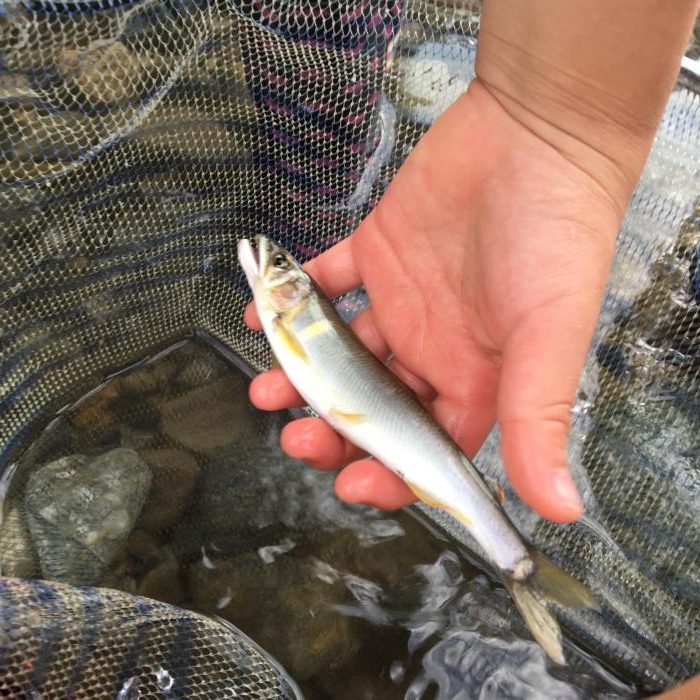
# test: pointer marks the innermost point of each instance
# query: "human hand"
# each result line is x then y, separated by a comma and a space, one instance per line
485, 263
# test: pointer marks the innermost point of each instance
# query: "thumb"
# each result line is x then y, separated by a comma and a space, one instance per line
542, 363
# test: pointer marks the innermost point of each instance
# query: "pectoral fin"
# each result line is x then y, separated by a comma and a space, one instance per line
290, 341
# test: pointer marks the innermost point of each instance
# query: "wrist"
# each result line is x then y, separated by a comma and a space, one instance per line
588, 77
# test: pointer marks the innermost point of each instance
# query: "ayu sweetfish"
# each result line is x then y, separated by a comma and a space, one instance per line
357, 395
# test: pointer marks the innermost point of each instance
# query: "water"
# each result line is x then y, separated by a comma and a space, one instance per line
354, 602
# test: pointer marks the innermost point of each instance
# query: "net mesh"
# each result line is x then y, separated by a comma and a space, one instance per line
141, 140
59, 641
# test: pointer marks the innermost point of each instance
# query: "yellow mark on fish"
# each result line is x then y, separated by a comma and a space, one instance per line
347, 416
315, 328
500, 494
289, 340
432, 501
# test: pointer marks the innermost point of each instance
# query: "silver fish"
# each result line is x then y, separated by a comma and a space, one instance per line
343, 382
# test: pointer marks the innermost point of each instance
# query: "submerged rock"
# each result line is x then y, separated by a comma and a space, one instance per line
149, 379
175, 475
163, 583
105, 72
288, 610
209, 417
80, 512
248, 496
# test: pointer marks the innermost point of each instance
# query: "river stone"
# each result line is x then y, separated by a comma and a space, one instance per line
150, 378
211, 416
255, 596
163, 583
17, 555
81, 510
105, 72
175, 475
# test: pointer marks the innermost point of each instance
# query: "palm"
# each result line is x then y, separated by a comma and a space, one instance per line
484, 262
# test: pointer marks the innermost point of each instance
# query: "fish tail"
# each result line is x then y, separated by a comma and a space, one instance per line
532, 595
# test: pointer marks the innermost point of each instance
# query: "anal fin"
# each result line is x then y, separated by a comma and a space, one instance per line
347, 416
432, 501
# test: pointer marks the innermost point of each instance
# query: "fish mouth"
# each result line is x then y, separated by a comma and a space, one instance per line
252, 261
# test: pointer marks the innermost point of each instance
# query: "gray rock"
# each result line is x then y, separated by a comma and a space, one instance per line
80, 512
17, 555
150, 378
209, 417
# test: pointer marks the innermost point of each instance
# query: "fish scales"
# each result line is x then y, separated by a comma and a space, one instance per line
373, 409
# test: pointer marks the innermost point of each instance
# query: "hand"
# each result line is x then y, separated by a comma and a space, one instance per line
485, 263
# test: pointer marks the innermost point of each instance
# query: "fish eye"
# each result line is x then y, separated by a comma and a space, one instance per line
280, 261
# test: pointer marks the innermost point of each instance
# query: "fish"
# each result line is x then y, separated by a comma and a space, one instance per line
364, 401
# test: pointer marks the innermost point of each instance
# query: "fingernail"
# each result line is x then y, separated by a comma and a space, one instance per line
566, 491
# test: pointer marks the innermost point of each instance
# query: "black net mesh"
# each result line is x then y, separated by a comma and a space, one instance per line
59, 641
141, 140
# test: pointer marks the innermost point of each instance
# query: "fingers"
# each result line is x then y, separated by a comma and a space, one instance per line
371, 483
272, 391
315, 442
334, 271
251, 318
365, 328
468, 420
541, 368
418, 386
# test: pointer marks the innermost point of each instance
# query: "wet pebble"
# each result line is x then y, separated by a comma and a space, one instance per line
80, 512
95, 414
209, 417
163, 583
256, 596
106, 71
148, 379
40, 135
175, 475
142, 545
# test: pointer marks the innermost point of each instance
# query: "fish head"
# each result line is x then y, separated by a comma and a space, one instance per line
276, 279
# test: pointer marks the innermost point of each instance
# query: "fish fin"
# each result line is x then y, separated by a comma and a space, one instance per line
500, 494
539, 618
424, 496
558, 586
347, 416
290, 341
547, 583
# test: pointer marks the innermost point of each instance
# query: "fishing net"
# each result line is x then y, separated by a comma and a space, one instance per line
61, 641
141, 139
